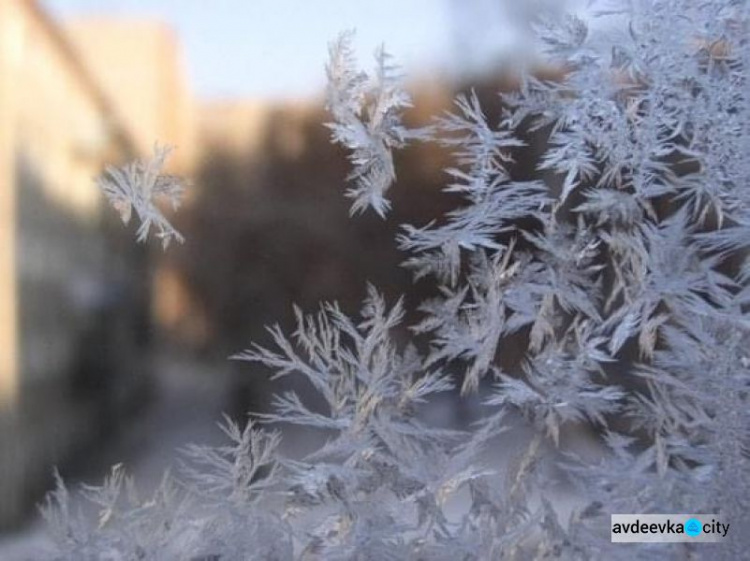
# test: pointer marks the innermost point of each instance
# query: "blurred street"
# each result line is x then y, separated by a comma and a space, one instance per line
191, 399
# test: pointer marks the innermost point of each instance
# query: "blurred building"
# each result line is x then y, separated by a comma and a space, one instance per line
139, 66
74, 306
237, 126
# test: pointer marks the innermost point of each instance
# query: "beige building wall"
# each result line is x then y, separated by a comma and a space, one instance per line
55, 121
57, 130
139, 65
10, 37
237, 126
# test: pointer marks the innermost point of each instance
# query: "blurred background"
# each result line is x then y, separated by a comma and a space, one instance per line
112, 351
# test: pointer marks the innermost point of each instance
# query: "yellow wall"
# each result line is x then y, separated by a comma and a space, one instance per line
10, 35
139, 65
56, 133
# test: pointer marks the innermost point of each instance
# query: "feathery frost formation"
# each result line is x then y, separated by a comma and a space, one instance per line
139, 185
624, 275
367, 121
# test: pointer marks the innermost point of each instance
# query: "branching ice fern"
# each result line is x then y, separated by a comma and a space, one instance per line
138, 186
126, 527
650, 250
384, 476
623, 278
210, 511
236, 474
367, 110
482, 178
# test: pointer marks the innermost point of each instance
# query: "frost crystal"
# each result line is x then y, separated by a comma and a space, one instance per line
137, 186
609, 298
367, 111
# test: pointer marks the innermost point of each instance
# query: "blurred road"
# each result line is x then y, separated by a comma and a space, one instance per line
189, 400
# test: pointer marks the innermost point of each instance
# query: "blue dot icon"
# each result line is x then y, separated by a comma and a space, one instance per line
693, 527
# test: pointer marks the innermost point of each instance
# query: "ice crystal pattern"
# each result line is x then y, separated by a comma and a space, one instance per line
622, 272
367, 113
138, 186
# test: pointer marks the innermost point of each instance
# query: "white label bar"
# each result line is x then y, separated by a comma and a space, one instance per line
660, 528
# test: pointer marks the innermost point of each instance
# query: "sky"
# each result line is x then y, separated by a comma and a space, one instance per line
278, 48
